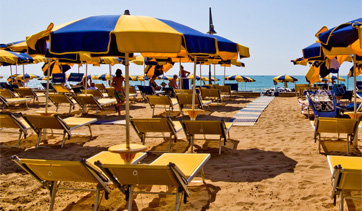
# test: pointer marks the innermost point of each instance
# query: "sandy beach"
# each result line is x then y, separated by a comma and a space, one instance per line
273, 165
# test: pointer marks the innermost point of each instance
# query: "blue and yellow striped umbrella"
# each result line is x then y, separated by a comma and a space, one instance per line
239, 78
103, 77
285, 78
26, 76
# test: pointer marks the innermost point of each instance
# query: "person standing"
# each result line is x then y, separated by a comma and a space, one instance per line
117, 83
185, 81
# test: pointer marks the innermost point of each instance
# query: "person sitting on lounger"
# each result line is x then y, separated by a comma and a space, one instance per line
173, 83
117, 83
154, 84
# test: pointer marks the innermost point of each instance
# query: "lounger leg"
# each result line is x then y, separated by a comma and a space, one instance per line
53, 191
192, 144
64, 133
39, 135
70, 108
90, 130
169, 146
220, 145
97, 198
348, 145
153, 112
342, 199
20, 133
203, 175
319, 145
130, 198
177, 199
56, 107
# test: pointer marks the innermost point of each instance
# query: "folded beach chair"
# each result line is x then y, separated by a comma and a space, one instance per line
162, 100
8, 120
323, 103
217, 128
346, 176
185, 101
58, 99
144, 127
170, 169
39, 123
212, 94
89, 100
6, 102
28, 92
348, 127
55, 175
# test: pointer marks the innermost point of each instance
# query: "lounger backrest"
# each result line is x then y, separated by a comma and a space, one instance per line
159, 100
142, 174
183, 91
110, 92
9, 121
197, 127
95, 92
336, 125
25, 92
7, 93
42, 122
152, 125
3, 100
350, 179
59, 98
100, 86
210, 93
132, 90
83, 100
186, 99
225, 89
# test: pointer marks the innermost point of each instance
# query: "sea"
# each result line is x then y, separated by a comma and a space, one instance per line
262, 82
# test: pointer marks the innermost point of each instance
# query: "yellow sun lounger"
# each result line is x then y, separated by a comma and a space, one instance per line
28, 92
96, 93
171, 169
185, 100
6, 102
156, 125
39, 123
53, 173
58, 99
7, 93
163, 100
206, 127
335, 126
8, 120
212, 94
90, 100
346, 175
59, 88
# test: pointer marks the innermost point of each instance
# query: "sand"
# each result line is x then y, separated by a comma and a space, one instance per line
273, 165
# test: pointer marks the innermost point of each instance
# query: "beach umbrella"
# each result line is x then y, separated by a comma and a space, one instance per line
333, 77
163, 77
55, 67
345, 39
103, 77
26, 76
133, 78
121, 35
18, 46
300, 61
191, 76
142, 78
8, 57
285, 78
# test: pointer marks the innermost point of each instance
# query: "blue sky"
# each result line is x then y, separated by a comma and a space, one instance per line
275, 31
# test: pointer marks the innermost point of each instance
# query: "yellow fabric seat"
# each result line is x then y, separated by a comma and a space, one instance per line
206, 127
6, 102
52, 173
8, 120
336, 126
39, 123
145, 126
58, 99
185, 101
171, 169
90, 100
346, 175
28, 92
212, 94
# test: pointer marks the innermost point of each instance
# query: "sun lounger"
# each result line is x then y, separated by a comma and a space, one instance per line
163, 100
183, 91
225, 91
206, 127
89, 100
185, 100
132, 93
96, 93
59, 88
7, 93
8, 120
28, 92
39, 123
323, 103
100, 87
6, 102
156, 125
55, 175
212, 94
346, 176
337, 126
171, 169
58, 99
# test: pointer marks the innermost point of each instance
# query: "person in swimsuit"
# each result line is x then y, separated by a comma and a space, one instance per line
117, 83
185, 81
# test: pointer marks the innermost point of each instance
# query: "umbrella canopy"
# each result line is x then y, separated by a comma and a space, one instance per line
207, 79
55, 67
300, 61
191, 76
332, 78
240, 78
343, 39
26, 76
142, 78
104, 77
164, 77
151, 70
19, 46
285, 78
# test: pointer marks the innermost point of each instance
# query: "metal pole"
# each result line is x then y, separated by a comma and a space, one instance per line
210, 74
47, 90
23, 77
200, 77
224, 74
180, 80
194, 85
354, 84
127, 100
86, 79
110, 75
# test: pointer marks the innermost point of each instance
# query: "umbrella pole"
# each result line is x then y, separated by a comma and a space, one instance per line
200, 77
194, 85
180, 82
16, 68
78, 68
210, 74
47, 90
214, 73
110, 75
354, 84
23, 77
144, 74
127, 100
86, 79
11, 73
224, 74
